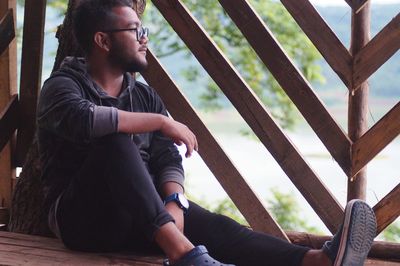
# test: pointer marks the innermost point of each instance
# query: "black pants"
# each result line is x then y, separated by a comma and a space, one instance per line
112, 204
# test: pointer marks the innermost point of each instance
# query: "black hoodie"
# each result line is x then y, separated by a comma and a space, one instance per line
74, 111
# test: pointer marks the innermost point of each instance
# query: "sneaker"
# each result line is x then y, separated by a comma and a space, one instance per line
196, 257
351, 244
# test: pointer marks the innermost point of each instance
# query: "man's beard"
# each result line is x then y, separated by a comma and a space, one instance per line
127, 63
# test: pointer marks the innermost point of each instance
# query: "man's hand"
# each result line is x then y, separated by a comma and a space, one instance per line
176, 213
180, 133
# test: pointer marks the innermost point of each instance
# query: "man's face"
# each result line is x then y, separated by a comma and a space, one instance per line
126, 52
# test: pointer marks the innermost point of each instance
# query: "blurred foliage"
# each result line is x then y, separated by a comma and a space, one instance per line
392, 233
282, 206
288, 213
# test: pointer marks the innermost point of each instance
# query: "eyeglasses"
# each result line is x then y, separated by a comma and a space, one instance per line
141, 32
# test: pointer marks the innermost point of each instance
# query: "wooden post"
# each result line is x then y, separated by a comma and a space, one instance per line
8, 87
358, 98
31, 74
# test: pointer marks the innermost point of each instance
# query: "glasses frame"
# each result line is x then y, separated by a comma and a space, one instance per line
141, 32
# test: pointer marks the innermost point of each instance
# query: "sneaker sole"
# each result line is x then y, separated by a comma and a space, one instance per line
360, 220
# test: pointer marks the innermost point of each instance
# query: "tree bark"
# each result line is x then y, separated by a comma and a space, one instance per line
28, 214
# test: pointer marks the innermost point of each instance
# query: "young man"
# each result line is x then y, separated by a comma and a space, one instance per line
113, 175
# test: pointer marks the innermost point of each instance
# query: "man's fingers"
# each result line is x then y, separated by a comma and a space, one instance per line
196, 144
178, 142
189, 150
189, 146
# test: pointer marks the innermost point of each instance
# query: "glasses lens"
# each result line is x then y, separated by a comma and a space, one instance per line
142, 32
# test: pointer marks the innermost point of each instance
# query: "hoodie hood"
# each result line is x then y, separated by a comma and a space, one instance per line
76, 68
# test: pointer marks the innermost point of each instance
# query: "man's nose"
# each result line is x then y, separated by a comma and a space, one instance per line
144, 40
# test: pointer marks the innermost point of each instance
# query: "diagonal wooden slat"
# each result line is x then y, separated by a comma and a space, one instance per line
213, 155
388, 209
375, 139
357, 5
7, 31
31, 72
291, 80
252, 110
322, 36
8, 121
383, 46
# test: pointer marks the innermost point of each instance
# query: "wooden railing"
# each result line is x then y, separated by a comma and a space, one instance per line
353, 68
351, 156
8, 103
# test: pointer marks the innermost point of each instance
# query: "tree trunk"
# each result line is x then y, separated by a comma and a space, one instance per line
28, 214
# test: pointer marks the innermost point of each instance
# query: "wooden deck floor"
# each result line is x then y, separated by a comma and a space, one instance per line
19, 249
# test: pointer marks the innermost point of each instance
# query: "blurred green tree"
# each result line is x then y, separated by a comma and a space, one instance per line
283, 207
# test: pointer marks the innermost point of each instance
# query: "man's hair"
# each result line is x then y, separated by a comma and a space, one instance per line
91, 16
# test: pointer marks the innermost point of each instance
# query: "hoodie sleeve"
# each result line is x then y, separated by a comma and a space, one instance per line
165, 161
63, 110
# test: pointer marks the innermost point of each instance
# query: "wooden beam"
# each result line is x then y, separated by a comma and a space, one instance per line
213, 155
252, 110
358, 100
322, 36
8, 121
376, 139
383, 46
7, 31
357, 5
31, 72
291, 80
387, 210
380, 249
8, 87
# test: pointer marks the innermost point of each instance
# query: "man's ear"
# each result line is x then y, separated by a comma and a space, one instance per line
102, 40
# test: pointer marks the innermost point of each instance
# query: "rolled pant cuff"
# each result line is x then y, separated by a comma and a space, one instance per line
161, 219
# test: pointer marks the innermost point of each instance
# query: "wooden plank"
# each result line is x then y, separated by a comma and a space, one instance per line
291, 80
8, 121
213, 155
387, 209
324, 39
18, 249
379, 250
358, 101
376, 139
7, 31
252, 110
8, 87
357, 5
383, 46
375, 262
31, 72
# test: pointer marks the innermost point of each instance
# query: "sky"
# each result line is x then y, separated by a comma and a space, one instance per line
342, 2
